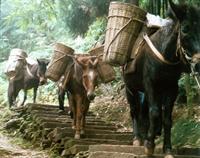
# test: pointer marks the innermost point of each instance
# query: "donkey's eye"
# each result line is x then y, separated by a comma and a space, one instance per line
185, 28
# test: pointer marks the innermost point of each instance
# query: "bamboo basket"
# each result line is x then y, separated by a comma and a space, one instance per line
59, 61
106, 72
124, 24
16, 60
17, 53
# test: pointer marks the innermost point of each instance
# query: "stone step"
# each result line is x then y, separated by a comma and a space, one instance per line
37, 117
69, 121
74, 150
67, 130
103, 154
48, 108
187, 151
113, 136
140, 150
69, 142
37, 114
68, 124
57, 134
117, 148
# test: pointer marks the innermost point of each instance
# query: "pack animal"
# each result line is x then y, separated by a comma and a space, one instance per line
157, 73
27, 77
80, 90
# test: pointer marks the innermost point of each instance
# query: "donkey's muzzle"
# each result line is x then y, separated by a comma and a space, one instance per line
42, 81
196, 58
91, 96
196, 63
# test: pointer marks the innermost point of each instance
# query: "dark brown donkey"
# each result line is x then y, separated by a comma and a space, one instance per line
81, 82
172, 50
27, 77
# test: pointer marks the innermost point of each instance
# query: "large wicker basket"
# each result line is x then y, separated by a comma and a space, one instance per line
106, 72
16, 60
124, 24
59, 61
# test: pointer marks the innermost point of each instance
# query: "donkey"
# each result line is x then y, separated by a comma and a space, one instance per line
27, 77
80, 86
161, 59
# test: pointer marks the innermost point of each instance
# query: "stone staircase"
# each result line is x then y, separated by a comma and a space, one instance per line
127, 151
47, 127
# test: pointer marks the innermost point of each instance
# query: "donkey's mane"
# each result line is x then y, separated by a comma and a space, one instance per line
190, 10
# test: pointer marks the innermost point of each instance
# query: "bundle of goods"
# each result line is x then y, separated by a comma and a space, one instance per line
124, 24
16, 61
106, 72
59, 61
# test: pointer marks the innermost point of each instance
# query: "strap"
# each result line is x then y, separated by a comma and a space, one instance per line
156, 52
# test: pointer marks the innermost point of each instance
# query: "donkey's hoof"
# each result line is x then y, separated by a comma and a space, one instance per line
61, 111
82, 132
77, 136
169, 156
168, 153
137, 142
73, 127
149, 148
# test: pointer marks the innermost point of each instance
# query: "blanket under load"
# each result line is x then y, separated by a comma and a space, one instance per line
153, 23
16, 61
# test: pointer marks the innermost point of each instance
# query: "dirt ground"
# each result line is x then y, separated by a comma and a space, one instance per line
10, 150
11, 147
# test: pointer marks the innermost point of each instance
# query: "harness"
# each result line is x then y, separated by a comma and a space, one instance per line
180, 51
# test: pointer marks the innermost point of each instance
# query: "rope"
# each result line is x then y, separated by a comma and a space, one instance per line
185, 58
195, 76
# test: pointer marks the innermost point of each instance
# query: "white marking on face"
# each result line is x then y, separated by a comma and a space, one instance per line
91, 74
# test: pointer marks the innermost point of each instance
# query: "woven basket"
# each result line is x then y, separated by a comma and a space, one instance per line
106, 72
17, 53
59, 61
124, 24
16, 60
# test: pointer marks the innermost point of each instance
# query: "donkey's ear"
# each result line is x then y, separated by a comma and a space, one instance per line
179, 11
96, 62
39, 62
47, 62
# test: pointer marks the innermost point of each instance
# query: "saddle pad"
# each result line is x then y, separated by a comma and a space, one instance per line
31, 61
130, 66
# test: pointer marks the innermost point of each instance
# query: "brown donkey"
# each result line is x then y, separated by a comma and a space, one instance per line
80, 82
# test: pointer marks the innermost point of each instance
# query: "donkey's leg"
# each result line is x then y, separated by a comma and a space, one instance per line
71, 105
61, 98
34, 94
84, 111
168, 103
25, 97
79, 115
13, 91
134, 111
10, 94
72, 108
155, 105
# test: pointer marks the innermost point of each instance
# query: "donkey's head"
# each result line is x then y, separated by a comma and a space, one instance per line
42, 67
189, 31
89, 74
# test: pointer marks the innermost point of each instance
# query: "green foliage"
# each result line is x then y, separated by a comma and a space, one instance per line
185, 132
95, 33
188, 87
30, 25
79, 14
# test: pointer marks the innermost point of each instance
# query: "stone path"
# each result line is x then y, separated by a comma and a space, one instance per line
43, 124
